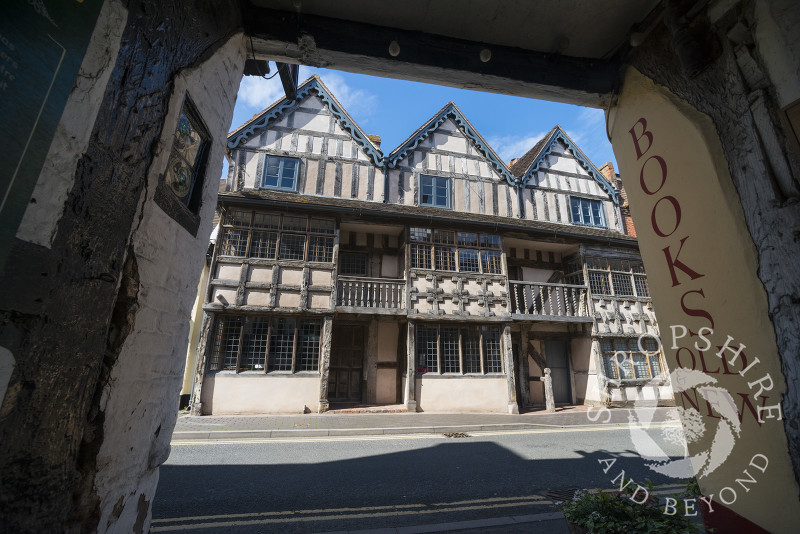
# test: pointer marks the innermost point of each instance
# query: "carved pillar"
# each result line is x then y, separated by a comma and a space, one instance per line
325, 364
200, 371
409, 395
508, 356
524, 373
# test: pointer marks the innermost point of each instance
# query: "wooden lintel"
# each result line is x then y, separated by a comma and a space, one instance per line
364, 48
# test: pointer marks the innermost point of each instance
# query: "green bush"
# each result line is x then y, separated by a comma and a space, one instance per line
611, 513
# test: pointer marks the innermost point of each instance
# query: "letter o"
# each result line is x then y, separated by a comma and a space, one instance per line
663, 165
676, 207
678, 358
721, 498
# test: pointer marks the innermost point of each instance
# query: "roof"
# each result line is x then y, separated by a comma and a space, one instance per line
427, 214
526, 167
450, 110
279, 108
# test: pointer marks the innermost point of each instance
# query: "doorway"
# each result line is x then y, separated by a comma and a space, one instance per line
557, 358
347, 362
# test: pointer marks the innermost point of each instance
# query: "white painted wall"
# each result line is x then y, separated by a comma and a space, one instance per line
462, 394
258, 393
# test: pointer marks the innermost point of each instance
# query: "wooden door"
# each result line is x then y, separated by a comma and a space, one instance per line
557, 360
347, 361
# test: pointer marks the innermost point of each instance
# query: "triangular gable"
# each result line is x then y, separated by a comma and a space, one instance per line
558, 134
277, 110
450, 111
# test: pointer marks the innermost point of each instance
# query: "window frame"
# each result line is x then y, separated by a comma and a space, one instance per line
241, 330
319, 235
630, 352
427, 334
433, 185
282, 161
590, 201
603, 272
432, 247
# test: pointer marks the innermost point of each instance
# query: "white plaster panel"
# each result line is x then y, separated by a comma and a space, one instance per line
288, 299
448, 285
320, 277
337, 129
320, 300
291, 276
539, 198
564, 207
228, 272
462, 395
312, 167
473, 308
422, 284
421, 305
347, 179
388, 333
250, 169
259, 393
316, 123
256, 297
330, 179
229, 295
386, 387
317, 146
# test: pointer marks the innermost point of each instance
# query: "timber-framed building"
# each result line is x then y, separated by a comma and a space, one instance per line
434, 277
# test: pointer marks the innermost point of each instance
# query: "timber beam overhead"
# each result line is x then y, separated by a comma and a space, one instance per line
364, 48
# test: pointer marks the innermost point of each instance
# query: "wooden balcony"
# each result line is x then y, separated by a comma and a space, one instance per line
549, 302
371, 295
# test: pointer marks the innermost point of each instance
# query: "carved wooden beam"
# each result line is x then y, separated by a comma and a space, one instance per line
364, 48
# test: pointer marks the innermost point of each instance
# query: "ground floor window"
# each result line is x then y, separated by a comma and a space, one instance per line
455, 349
243, 343
623, 359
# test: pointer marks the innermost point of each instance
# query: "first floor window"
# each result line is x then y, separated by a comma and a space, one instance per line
434, 191
264, 343
587, 211
623, 278
447, 250
454, 349
280, 173
622, 358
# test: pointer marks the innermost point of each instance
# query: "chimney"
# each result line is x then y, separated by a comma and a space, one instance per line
607, 170
376, 139
513, 161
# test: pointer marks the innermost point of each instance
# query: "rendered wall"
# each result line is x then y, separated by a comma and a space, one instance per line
257, 393
462, 395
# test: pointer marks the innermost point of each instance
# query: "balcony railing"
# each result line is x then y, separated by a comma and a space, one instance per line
555, 300
382, 293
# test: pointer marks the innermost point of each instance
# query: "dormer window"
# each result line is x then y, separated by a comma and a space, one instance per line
434, 191
280, 173
587, 212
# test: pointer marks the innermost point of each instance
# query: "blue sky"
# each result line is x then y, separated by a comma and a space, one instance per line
394, 109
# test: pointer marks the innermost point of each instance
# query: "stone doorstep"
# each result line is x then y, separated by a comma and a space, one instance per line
331, 432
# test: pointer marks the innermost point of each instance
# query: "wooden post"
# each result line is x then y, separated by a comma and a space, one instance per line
409, 395
524, 373
371, 367
325, 364
548, 391
508, 356
200, 371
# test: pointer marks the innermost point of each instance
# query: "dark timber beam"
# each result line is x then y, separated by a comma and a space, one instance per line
364, 48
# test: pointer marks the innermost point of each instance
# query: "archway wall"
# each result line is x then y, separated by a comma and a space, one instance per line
96, 319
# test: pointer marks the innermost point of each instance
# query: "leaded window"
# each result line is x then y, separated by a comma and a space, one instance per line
446, 250
624, 359
255, 234
286, 344
622, 278
458, 350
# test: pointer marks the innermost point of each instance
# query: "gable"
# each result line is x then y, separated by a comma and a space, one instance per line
312, 96
446, 123
556, 142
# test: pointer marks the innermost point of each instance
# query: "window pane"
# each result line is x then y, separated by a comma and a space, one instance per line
320, 249
442, 193
281, 345
426, 349
421, 256
445, 258
237, 218
308, 350
262, 244
597, 218
466, 239
263, 220
322, 226
575, 207
226, 343
468, 260
640, 365
234, 242
420, 234
353, 263
292, 247
280, 173
492, 350
491, 262
255, 345
446, 238
587, 211
449, 341
622, 284
609, 367
598, 283
295, 224
490, 241
641, 286
655, 365
471, 340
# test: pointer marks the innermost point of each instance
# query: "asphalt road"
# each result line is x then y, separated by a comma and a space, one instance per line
336, 484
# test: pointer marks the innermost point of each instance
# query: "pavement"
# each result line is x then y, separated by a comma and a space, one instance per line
361, 424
